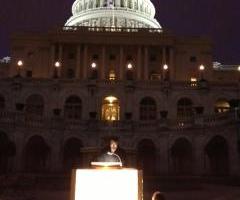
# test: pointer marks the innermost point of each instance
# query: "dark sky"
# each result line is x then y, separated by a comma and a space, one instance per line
218, 19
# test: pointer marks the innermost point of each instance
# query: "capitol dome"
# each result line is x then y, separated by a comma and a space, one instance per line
117, 13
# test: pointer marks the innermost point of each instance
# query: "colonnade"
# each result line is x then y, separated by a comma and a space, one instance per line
140, 62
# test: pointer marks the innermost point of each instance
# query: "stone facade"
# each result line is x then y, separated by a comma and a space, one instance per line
54, 117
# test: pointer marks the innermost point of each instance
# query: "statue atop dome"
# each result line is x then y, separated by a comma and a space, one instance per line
117, 13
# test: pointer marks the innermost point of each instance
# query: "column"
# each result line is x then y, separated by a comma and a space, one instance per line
103, 67
55, 164
234, 160
171, 65
85, 61
164, 61
121, 67
78, 65
101, 3
117, 3
60, 59
198, 155
139, 63
146, 75
51, 67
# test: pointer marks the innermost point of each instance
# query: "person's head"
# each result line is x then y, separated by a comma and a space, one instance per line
113, 145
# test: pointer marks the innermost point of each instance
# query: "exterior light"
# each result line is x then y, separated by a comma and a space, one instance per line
20, 63
165, 67
111, 99
93, 65
57, 64
201, 68
129, 66
238, 68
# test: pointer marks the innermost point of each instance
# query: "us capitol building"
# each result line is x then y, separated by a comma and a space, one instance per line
112, 70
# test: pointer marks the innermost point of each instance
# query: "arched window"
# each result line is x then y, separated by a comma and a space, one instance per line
2, 102
35, 105
185, 108
36, 154
182, 158
110, 109
73, 108
217, 156
148, 109
221, 106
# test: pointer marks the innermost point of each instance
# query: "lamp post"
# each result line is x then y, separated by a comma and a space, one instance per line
57, 66
201, 68
19, 67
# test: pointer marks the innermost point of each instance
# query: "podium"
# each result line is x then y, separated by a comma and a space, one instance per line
106, 183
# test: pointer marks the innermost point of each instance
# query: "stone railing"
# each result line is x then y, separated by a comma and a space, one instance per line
18, 119
111, 29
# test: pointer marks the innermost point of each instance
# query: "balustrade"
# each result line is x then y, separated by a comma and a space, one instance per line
32, 121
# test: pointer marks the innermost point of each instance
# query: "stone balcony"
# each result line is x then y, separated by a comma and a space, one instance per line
17, 119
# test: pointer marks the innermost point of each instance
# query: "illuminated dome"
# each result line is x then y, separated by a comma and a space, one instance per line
117, 13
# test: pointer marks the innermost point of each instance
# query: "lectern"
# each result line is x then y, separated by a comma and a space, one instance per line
107, 183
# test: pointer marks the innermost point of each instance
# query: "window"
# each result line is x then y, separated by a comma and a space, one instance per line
222, 106
184, 108
71, 56
148, 109
193, 59
2, 102
153, 58
112, 57
73, 108
129, 57
70, 73
29, 74
112, 75
110, 109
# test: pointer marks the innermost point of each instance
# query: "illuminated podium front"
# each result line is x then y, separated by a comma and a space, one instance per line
106, 183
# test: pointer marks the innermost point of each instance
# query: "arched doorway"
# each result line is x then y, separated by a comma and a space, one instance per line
146, 157
7, 151
182, 158
72, 157
216, 156
110, 109
37, 154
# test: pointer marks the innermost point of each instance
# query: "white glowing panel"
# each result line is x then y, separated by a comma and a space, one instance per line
106, 184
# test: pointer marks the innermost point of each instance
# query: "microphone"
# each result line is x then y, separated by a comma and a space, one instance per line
120, 161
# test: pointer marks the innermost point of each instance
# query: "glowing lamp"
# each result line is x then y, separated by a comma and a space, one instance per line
165, 67
201, 68
106, 184
129, 66
20, 63
93, 65
57, 64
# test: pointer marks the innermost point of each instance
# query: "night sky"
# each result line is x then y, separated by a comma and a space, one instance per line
218, 19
